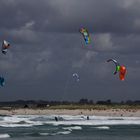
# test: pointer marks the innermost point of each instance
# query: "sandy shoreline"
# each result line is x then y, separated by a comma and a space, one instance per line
108, 112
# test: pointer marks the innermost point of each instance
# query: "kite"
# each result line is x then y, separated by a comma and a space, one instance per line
116, 64
2, 81
119, 68
122, 72
85, 34
76, 77
5, 46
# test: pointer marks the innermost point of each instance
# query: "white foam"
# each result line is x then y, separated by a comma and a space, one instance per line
103, 127
78, 120
72, 117
64, 132
96, 122
20, 125
57, 133
18, 121
4, 136
73, 128
16, 125
44, 134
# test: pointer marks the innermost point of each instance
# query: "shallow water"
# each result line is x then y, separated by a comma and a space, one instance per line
42, 127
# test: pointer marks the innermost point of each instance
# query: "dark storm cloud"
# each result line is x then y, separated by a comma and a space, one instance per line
67, 16
46, 48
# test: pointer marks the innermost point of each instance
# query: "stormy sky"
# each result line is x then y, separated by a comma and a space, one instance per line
47, 48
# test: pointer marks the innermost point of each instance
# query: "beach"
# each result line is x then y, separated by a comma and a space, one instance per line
107, 112
69, 124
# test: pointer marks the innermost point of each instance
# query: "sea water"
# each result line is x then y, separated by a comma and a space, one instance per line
68, 127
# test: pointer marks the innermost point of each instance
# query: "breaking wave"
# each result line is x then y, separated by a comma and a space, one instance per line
77, 121
4, 136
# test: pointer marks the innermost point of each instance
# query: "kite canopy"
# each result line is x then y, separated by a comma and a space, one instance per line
122, 72
116, 64
85, 34
121, 69
5, 46
2, 81
76, 77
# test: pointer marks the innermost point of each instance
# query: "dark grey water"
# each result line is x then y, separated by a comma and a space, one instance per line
69, 128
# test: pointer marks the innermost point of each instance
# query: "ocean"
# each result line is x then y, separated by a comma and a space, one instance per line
68, 127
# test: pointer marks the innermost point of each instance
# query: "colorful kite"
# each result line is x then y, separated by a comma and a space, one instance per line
122, 72
120, 69
85, 34
5, 46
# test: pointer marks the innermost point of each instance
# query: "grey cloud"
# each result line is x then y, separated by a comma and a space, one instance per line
46, 48
67, 16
